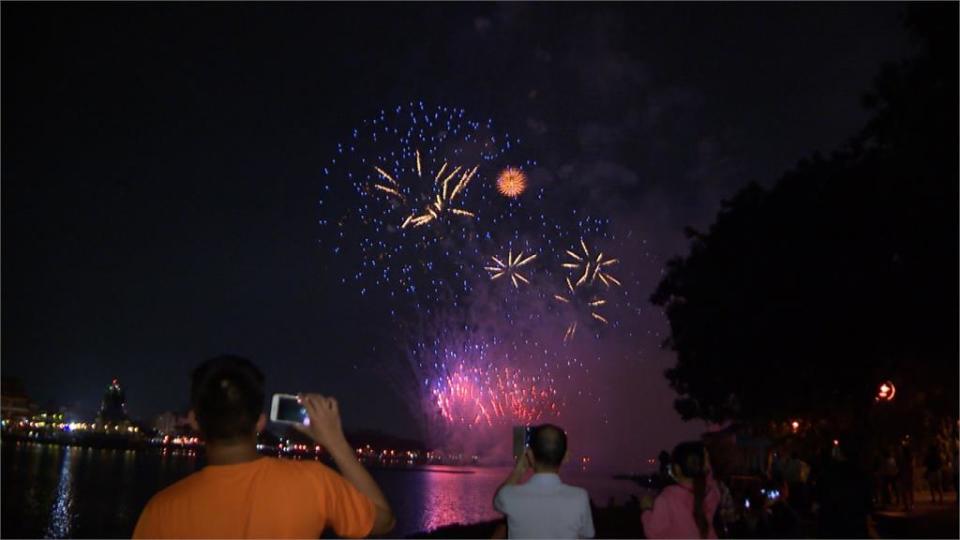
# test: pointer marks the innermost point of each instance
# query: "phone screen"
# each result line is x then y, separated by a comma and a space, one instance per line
521, 435
290, 410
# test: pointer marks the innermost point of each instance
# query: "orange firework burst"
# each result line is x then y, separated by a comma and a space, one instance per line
511, 182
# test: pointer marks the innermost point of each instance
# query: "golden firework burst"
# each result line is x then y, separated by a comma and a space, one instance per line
445, 192
499, 268
593, 304
512, 182
588, 268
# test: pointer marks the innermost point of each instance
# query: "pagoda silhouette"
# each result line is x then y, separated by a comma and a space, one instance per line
113, 406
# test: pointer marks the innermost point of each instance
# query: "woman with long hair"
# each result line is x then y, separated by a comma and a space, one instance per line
684, 509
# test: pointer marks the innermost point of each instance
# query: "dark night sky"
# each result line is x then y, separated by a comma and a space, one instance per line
160, 163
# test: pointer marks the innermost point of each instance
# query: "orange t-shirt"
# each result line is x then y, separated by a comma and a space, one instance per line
265, 498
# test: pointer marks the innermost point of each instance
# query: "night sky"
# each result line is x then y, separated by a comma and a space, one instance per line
161, 169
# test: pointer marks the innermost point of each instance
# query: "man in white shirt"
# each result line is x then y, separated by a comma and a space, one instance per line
543, 506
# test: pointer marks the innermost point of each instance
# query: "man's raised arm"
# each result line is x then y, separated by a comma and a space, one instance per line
325, 428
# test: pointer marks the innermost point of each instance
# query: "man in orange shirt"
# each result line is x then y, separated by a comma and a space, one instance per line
240, 494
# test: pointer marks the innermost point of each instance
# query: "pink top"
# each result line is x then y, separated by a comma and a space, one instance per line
672, 513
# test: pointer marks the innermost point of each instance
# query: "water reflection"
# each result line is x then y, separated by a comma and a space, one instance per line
450, 496
61, 515
58, 492
89, 493
129, 475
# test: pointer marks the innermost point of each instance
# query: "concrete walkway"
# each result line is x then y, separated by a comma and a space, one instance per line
926, 520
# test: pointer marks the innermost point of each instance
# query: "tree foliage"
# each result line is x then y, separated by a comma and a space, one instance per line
800, 299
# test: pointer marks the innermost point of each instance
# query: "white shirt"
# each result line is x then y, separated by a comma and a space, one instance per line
545, 507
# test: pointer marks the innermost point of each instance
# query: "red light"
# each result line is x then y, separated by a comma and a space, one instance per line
886, 391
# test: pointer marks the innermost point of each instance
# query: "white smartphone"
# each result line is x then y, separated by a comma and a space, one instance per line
287, 409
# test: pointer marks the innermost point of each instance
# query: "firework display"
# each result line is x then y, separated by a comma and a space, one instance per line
581, 289
511, 182
428, 216
472, 396
589, 267
471, 380
591, 302
411, 200
445, 192
510, 268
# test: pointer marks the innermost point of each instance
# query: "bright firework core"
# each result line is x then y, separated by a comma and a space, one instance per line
474, 386
511, 182
477, 397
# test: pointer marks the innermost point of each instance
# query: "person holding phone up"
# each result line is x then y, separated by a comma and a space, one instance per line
240, 494
544, 506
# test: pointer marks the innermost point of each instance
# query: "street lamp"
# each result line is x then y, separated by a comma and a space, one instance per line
886, 391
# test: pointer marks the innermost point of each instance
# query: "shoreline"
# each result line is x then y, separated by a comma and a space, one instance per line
616, 521
927, 520
107, 442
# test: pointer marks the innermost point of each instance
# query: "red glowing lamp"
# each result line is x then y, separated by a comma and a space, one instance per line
886, 391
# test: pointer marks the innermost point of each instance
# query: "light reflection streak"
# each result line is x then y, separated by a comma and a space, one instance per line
61, 514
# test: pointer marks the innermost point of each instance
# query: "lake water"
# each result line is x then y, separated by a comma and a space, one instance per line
59, 492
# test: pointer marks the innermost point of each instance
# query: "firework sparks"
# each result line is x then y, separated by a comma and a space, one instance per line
588, 268
511, 268
411, 223
511, 182
475, 397
444, 197
572, 296
401, 205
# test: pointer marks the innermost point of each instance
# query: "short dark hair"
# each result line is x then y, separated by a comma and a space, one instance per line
549, 445
227, 397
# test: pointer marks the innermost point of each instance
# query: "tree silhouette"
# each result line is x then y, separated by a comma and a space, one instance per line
802, 298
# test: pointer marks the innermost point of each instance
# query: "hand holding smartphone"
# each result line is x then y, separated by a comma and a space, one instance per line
521, 440
288, 409
314, 415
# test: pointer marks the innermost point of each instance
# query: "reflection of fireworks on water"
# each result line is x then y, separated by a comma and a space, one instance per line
498, 268
471, 396
511, 182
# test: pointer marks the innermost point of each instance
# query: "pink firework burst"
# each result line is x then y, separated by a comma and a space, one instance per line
473, 396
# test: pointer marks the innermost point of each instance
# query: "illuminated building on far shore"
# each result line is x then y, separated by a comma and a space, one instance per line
113, 410
171, 423
16, 405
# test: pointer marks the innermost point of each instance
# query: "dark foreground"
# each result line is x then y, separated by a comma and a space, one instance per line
56, 491
611, 522
927, 520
